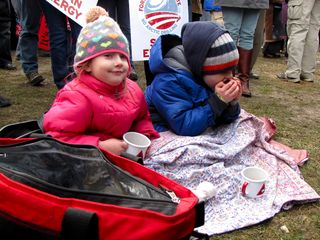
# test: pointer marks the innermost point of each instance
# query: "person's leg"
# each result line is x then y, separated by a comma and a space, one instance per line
28, 42
17, 9
245, 46
5, 25
309, 58
232, 18
58, 36
298, 25
30, 18
248, 27
268, 40
257, 41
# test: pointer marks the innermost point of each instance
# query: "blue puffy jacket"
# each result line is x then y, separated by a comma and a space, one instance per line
177, 98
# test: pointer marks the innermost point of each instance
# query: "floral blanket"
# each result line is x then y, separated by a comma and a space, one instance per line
219, 155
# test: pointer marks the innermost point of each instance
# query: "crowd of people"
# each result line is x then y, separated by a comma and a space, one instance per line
197, 78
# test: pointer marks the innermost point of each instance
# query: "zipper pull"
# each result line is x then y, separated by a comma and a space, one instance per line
171, 194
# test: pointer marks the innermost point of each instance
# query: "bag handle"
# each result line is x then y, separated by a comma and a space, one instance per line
80, 225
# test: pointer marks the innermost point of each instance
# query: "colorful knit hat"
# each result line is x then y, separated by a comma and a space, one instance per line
222, 56
100, 36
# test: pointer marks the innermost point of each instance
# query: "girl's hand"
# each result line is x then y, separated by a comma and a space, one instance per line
229, 89
113, 145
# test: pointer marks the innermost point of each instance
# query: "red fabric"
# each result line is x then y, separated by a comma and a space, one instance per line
88, 110
43, 34
46, 210
299, 155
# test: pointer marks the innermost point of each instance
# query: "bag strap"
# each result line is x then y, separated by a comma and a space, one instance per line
80, 225
199, 214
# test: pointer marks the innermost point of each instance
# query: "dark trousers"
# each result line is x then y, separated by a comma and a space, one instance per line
5, 55
5, 24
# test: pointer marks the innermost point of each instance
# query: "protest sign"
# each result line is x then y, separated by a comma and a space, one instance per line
74, 9
151, 18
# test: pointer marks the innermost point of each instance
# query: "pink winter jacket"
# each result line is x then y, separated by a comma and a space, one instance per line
87, 110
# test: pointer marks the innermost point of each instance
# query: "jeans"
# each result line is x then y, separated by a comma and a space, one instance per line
28, 40
62, 43
241, 23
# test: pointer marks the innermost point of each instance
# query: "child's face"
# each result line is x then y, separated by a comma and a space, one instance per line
212, 80
111, 68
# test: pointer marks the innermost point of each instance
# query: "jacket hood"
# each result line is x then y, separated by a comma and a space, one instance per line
160, 48
197, 38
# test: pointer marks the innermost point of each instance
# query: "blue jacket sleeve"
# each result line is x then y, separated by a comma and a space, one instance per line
180, 108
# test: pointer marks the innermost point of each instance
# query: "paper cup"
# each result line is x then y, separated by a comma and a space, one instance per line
137, 144
253, 182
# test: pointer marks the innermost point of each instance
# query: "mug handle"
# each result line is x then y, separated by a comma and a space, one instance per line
244, 187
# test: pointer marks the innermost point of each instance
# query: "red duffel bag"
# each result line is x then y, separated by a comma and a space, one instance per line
54, 190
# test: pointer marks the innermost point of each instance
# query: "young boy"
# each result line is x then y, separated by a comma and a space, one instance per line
193, 88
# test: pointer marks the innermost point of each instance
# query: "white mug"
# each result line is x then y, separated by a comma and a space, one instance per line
137, 144
253, 182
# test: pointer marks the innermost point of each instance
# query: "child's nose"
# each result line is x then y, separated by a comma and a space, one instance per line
118, 59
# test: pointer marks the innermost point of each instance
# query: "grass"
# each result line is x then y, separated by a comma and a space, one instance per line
294, 108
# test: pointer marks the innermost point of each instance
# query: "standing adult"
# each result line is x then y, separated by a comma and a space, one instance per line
119, 10
303, 33
240, 19
5, 36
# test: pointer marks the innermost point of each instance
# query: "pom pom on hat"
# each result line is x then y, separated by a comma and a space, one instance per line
100, 36
222, 56
94, 13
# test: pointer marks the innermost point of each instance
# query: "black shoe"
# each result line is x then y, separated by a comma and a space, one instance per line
4, 102
35, 79
8, 66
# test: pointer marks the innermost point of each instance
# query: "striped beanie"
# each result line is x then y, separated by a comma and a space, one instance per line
101, 35
222, 56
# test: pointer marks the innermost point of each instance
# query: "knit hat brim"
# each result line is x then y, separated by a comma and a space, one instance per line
222, 56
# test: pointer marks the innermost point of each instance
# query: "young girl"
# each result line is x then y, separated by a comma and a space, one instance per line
101, 104
193, 88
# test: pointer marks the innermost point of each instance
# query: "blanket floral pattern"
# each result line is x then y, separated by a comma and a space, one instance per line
218, 156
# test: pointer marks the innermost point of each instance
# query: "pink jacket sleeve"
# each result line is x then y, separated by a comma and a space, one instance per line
69, 118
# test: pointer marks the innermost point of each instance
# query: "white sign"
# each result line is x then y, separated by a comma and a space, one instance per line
151, 18
74, 9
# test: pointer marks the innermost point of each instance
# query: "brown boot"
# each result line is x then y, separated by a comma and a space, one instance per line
244, 70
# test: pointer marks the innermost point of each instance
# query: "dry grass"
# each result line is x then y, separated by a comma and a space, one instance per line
294, 107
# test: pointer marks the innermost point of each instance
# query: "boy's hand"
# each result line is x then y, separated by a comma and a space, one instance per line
240, 88
229, 89
113, 145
